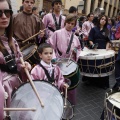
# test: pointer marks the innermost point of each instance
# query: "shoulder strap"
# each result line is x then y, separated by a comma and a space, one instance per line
69, 46
58, 26
51, 79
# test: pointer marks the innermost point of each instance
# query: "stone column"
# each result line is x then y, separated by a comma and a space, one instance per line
88, 7
107, 7
102, 4
39, 4
117, 4
96, 4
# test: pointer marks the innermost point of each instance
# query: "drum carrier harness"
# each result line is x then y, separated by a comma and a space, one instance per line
58, 26
50, 79
10, 65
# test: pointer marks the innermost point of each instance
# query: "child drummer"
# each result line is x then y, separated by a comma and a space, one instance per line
45, 70
67, 45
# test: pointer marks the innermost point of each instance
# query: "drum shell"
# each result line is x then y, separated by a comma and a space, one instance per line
24, 97
30, 53
73, 76
96, 63
89, 67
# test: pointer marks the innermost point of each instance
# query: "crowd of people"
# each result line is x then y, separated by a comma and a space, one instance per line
60, 37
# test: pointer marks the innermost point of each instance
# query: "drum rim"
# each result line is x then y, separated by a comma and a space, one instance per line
44, 81
108, 94
112, 54
97, 75
32, 52
37, 80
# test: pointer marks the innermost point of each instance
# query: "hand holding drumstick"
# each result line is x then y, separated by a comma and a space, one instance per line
31, 82
41, 33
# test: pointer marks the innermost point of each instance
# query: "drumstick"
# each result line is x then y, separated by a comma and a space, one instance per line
69, 59
31, 82
65, 96
33, 36
19, 109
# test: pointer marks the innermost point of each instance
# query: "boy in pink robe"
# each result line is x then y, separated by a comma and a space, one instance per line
49, 20
38, 72
60, 41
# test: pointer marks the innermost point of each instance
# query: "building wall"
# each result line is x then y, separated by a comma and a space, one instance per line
111, 7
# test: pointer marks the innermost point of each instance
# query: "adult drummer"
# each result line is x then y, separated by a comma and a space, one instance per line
54, 21
26, 24
9, 57
98, 38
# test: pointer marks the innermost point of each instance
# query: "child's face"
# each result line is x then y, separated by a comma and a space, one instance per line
46, 55
70, 25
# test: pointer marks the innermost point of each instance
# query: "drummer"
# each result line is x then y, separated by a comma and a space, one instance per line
26, 24
45, 70
67, 45
98, 38
54, 21
9, 57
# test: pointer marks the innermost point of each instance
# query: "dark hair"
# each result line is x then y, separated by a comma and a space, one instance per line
43, 46
89, 15
71, 17
24, 0
34, 8
21, 8
105, 26
8, 31
53, 2
81, 18
72, 9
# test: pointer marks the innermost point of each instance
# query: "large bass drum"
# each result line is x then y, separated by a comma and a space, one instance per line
96, 63
24, 97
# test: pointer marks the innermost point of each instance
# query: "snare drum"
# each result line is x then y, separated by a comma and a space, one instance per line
30, 53
115, 45
112, 105
96, 63
70, 71
24, 97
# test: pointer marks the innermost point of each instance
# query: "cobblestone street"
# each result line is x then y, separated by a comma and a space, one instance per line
90, 101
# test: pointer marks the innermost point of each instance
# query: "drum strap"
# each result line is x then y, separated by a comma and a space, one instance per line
50, 79
10, 65
58, 26
69, 46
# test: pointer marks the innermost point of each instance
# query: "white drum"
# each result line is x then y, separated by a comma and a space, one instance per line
96, 63
25, 97
112, 105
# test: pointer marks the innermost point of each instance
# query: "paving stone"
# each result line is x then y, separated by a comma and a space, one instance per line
90, 101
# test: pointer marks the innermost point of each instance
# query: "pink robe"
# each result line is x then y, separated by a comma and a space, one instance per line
49, 22
60, 40
8, 82
38, 73
86, 27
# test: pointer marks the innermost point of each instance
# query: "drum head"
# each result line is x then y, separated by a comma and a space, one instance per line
115, 99
67, 66
88, 54
25, 97
28, 50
